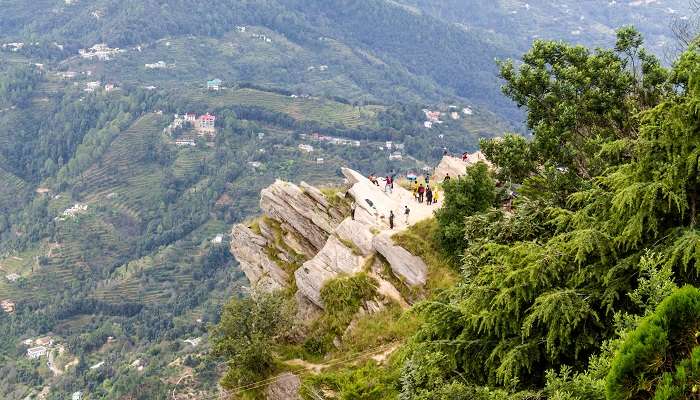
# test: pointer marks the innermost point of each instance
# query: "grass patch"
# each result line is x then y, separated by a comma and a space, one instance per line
420, 240
390, 325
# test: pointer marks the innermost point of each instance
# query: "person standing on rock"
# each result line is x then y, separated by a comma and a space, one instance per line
421, 193
352, 210
406, 212
391, 219
447, 177
429, 195
389, 184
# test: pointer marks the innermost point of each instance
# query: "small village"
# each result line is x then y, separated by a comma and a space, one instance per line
100, 52
433, 118
204, 126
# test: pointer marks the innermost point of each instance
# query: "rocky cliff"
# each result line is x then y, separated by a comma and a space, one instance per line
306, 237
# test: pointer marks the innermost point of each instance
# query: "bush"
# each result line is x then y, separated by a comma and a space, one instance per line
246, 334
342, 298
473, 193
661, 358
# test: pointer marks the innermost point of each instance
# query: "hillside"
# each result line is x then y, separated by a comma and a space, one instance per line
135, 134
543, 272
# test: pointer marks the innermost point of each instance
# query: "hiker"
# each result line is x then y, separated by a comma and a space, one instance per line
415, 191
435, 197
352, 210
391, 220
406, 212
427, 179
447, 177
388, 184
429, 195
421, 193
465, 156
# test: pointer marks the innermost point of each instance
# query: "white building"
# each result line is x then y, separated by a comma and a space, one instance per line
320, 161
12, 277
92, 86
157, 65
306, 148
396, 156
77, 396
185, 142
37, 352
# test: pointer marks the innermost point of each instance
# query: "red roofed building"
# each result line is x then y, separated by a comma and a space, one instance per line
206, 124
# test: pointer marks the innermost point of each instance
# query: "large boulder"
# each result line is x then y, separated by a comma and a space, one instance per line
333, 260
250, 249
449, 165
305, 212
457, 166
407, 267
356, 234
284, 387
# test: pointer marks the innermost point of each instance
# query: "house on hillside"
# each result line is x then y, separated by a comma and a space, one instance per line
185, 142
190, 117
92, 86
12, 277
7, 306
306, 148
395, 156
44, 341
37, 352
157, 65
214, 84
205, 125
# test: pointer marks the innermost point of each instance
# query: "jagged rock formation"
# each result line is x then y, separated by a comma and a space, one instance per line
250, 250
307, 237
409, 268
456, 166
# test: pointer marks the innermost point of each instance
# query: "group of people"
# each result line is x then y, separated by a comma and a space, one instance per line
425, 193
388, 181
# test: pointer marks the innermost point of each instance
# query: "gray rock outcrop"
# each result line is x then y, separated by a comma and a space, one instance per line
304, 212
285, 387
250, 250
333, 260
407, 267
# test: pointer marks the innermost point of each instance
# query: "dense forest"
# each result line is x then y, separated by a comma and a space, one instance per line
583, 289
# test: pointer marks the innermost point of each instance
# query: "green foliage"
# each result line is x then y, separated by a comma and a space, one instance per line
546, 287
472, 193
369, 381
660, 358
577, 99
246, 334
342, 297
511, 154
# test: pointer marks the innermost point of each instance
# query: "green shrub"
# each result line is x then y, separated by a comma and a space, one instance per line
342, 298
475, 192
661, 358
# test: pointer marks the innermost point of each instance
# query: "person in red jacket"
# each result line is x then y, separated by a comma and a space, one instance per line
421, 193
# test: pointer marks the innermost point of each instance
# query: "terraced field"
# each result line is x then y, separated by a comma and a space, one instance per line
122, 179
12, 189
326, 112
167, 273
